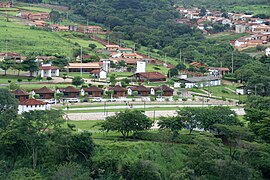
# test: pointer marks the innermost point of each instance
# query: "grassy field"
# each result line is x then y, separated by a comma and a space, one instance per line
84, 125
225, 36
223, 92
156, 68
5, 79
23, 40
252, 9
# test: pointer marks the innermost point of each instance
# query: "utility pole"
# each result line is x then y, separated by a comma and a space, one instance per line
232, 63
81, 61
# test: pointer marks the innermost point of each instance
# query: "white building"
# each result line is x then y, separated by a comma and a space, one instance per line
267, 52
141, 67
47, 70
106, 64
103, 74
32, 105
241, 90
203, 81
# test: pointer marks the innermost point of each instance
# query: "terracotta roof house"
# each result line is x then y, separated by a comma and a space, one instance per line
118, 91
69, 92
20, 94
142, 90
86, 67
47, 70
44, 93
93, 29
124, 50
11, 55
203, 81
166, 91
6, 4
197, 64
110, 47
149, 76
92, 91
32, 105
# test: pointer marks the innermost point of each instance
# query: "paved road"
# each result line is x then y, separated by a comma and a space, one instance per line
151, 114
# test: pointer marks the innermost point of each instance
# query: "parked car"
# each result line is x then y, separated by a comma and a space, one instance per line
72, 100
160, 99
97, 99
111, 100
51, 101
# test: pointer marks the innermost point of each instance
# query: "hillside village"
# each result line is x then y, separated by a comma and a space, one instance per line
134, 89
127, 60
258, 29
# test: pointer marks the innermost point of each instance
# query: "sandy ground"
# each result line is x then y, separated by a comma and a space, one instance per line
151, 114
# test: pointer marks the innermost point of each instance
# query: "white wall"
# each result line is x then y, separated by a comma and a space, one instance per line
141, 66
24, 108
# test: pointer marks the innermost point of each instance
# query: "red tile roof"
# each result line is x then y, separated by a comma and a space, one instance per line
164, 88
69, 89
151, 75
140, 88
20, 92
43, 90
47, 68
118, 89
31, 102
92, 89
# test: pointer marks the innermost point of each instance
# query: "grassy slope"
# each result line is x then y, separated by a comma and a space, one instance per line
22, 39
253, 9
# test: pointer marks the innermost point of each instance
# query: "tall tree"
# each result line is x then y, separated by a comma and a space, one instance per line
127, 122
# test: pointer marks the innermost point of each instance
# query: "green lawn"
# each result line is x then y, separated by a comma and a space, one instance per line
84, 125
223, 92
29, 87
158, 68
121, 74
74, 74
4, 79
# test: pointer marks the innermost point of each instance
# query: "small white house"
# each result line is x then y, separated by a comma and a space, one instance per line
241, 90
47, 70
267, 52
32, 105
203, 81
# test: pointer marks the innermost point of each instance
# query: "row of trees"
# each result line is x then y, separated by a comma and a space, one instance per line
256, 76
36, 140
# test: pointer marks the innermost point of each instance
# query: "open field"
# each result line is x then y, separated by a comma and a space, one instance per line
252, 9
225, 36
24, 40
